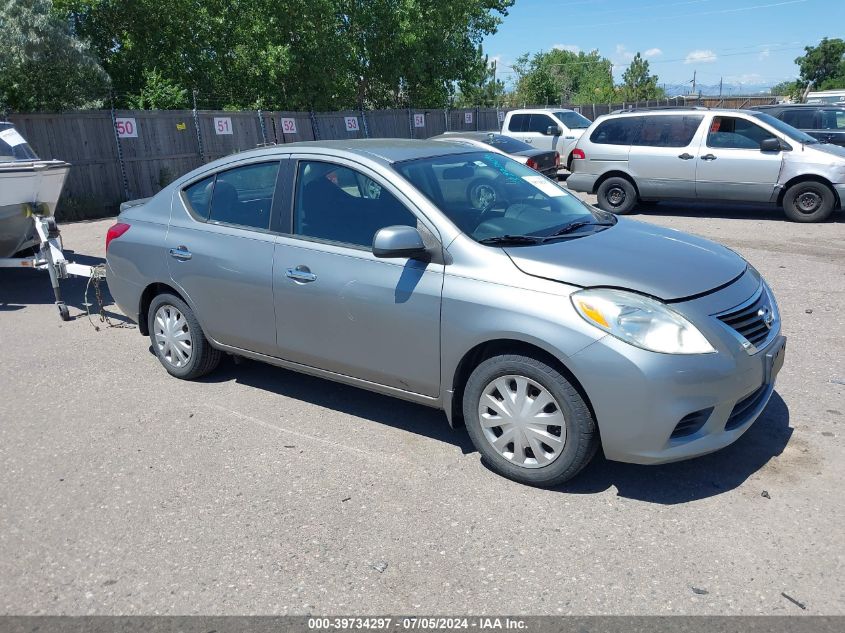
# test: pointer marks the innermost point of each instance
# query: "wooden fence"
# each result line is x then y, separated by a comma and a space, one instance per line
154, 147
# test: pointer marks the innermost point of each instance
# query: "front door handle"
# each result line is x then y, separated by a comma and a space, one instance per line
300, 274
181, 253
685, 156
708, 157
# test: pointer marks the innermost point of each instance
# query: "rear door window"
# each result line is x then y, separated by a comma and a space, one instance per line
801, 118
518, 123
617, 131
668, 130
727, 132
244, 195
198, 196
539, 123
833, 120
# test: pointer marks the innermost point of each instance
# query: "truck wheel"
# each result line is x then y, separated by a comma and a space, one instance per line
808, 201
617, 195
527, 420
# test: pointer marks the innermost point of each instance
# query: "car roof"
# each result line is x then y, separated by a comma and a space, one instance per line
383, 150
676, 111
475, 136
790, 106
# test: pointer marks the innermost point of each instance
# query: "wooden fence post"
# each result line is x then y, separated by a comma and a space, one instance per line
197, 128
119, 152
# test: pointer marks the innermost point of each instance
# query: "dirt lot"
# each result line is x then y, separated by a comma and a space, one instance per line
124, 491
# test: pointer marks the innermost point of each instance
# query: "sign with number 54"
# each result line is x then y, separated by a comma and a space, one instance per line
419, 120
126, 127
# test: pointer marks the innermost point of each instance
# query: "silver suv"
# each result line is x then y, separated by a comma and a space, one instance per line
547, 326
741, 155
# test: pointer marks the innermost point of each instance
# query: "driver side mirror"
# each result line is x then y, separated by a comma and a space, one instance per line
770, 144
399, 241
554, 130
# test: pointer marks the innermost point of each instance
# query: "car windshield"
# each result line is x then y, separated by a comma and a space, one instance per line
573, 120
495, 199
506, 144
13, 146
786, 129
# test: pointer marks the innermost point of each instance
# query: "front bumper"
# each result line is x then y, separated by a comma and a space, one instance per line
641, 397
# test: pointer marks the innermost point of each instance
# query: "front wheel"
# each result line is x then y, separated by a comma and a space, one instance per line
617, 195
178, 340
808, 202
527, 420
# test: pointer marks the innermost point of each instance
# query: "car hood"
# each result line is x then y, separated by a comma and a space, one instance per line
660, 262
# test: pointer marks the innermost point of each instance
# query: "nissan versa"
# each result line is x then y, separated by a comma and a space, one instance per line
548, 327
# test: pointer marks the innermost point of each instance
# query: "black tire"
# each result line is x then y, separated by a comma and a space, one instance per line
617, 195
581, 439
808, 201
203, 357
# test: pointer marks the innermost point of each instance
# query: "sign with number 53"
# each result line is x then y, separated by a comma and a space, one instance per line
126, 128
222, 125
351, 123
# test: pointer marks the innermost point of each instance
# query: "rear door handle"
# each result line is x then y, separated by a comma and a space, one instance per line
708, 157
300, 275
685, 156
181, 253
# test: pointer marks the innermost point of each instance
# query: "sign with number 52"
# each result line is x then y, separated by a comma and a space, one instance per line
222, 125
351, 123
288, 126
126, 127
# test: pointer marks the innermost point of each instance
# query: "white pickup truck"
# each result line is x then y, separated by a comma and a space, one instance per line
548, 129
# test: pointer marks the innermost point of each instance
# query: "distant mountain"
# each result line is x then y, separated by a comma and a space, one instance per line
713, 89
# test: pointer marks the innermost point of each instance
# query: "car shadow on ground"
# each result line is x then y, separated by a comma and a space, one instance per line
697, 478
21, 287
719, 210
668, 484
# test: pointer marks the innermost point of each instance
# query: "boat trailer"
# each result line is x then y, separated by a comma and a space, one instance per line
50, 256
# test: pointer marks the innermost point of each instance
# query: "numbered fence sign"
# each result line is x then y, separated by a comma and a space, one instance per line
419, 120
222, 125
126, 128
288, 126
501, 117
467, 117
351, 123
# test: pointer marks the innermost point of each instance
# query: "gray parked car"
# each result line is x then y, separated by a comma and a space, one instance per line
547, 326
701, 154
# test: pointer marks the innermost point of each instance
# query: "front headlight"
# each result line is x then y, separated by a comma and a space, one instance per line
640, 321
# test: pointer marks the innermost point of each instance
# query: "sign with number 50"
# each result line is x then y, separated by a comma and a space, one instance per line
126, 128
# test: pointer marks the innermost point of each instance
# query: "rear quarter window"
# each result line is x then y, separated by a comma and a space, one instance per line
198, 196
616, 131
668, 131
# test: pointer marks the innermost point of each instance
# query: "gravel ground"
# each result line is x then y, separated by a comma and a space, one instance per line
260, 491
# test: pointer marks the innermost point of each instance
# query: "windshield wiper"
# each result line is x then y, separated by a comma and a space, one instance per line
574, 226
503, 240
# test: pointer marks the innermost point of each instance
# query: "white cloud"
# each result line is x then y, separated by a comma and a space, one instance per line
572, 48
623, 54
763, 54
747, 78
705, 56
653, 52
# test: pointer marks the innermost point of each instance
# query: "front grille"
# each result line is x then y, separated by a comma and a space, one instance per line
691, 423
744, 407
750, 320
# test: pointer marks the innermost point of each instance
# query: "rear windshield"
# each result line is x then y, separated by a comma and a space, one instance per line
13, 146
506, 144
785, 128
573, 120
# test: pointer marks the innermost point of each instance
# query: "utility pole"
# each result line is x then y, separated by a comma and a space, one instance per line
693, 81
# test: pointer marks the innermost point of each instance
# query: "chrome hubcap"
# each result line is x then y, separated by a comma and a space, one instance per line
808, 201
483, 197
172, 336
616, 196
522, 421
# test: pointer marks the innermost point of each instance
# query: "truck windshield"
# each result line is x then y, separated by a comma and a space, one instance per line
573, 120
786, 129
495, 199
13, 146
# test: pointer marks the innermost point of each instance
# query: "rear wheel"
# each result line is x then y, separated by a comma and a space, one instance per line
808, 202
528, 422
178, 340
617, 195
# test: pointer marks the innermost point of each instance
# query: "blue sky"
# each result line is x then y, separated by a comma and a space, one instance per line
743, 41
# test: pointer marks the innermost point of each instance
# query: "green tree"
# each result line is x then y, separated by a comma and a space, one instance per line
638, 84
560, 76
42, 65
791, 89
158, 93
486, 90
823, 65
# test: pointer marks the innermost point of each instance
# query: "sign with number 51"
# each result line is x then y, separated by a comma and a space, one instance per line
222, 125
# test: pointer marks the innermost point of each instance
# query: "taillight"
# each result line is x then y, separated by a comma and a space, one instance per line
532, 163
578, 153
557, 159
115, 231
